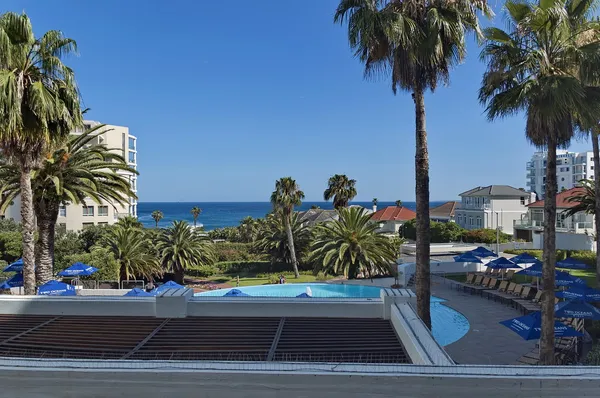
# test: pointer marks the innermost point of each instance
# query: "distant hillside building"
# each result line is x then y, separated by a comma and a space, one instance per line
392, 218
493, 206
445, 212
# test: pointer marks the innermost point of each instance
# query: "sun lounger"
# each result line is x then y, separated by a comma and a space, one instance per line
484, 286
501, 289
507, 295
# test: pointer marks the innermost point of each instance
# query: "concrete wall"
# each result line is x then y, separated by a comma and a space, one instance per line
100, 306
566, 241
169, 381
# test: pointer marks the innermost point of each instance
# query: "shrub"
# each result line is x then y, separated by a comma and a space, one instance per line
227, 251
202, 271
273, 280
321, 276
441, 232
593, 356
484, 236
11, 245
254, 267
99, 257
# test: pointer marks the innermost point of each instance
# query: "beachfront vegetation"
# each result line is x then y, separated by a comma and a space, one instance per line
284, 198
541, 65
39, 104
272, 239
180, 248
196, 211
350, 246
77, 170
342, 189
157, 215
416, 44
444, 232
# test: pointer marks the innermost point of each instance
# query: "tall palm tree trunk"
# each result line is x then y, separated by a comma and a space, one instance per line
596, 149
179, 275
422, 199
549, 256
290, 238
28, 224
46, 214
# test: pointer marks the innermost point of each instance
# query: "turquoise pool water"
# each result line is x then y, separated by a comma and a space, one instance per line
448, 325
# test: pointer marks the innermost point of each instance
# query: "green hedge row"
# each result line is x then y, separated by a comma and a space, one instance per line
585, 256
238, 267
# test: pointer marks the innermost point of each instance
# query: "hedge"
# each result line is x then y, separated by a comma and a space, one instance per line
231, 252
238, 267
585, 256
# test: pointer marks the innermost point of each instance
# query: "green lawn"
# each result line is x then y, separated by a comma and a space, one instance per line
588, 275
260, 279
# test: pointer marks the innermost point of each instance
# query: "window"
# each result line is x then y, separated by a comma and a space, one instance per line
562, 178
103, 211
591, 167
132, 144
523, 200
62, 211
460, 218
88, 211
87, 225
133, 181
102, 223
131, 157
567, 169
479, 222
470, 220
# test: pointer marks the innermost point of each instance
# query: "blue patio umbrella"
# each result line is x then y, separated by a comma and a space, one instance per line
529, 327
580, 292
235, 293
17, 266
467, 257
524, 258
78, 269
137, 292
15, 281
565, 279
534, 270
502, 263
56, 288
571, 263
483, 252
168, 285
304, 295
576, 309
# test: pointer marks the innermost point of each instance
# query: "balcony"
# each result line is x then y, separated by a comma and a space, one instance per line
575, 227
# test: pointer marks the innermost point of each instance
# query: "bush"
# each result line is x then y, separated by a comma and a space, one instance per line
593, 356
441, 232
273, 280
202, 271
321, 276
227, 251
11, 246
484, 236
99, 257
254, 267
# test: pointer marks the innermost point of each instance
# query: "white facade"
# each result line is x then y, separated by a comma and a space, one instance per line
74, 217
571, 167
495, 206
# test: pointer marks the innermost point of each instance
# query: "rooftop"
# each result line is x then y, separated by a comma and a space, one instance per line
495, 190
445, 210
313, 216
393, 213
561, 199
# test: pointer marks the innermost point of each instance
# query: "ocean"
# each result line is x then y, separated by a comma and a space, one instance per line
228, 214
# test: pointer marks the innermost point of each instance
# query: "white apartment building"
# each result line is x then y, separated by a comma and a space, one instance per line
571, 167
492, 207
74, 217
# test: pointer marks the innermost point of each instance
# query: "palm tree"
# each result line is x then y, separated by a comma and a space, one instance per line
398, 203
341, 189
133, 251
180, 248
351, 245
416, 42
249, 229
129, 222
196, 213
533, 67
157, 215
286, 195
39, 104
272, 238
77, 170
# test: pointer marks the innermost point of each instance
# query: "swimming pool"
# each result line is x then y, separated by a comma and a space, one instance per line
447, 324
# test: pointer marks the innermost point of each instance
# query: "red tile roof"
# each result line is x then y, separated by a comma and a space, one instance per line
445, 210
393, 213
561, 199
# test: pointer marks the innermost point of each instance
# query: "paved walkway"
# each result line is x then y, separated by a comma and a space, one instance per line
487, 342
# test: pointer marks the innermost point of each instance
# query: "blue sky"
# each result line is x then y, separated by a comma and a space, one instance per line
226, 97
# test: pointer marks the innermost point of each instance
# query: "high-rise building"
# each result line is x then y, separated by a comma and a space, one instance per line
74, 217
571, 167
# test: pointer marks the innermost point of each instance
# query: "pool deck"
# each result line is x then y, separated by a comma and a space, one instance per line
487, 342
